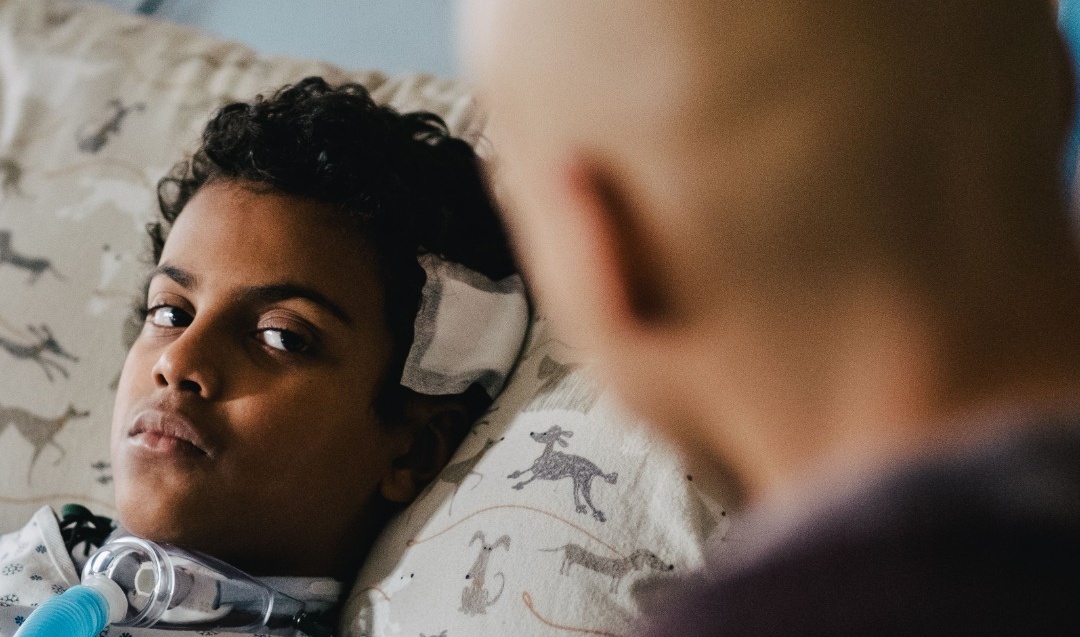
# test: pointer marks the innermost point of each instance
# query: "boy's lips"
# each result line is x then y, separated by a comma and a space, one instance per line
163, 431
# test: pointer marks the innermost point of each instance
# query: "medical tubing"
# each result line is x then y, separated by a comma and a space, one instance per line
134, 582
168, 588
81, 611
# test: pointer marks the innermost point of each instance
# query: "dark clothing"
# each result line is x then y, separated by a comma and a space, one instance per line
984, 543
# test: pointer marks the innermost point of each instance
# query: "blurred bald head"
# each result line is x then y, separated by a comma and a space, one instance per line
786, 213
778, 133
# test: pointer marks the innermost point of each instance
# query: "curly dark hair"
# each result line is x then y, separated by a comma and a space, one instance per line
408, 185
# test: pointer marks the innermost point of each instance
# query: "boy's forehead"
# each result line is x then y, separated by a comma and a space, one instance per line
256, 235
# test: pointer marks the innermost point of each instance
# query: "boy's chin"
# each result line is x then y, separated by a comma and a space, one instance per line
167, 520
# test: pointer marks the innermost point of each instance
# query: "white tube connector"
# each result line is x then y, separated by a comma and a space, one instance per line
113, 594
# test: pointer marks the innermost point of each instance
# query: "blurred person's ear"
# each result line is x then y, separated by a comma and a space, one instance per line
640, 336
626, 259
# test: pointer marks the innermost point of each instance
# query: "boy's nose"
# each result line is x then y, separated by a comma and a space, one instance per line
190, 363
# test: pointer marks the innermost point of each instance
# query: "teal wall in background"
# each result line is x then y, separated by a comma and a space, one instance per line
1069, 17
389, 35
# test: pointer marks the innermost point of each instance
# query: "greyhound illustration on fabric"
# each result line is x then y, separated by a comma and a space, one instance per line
38, 431
94, 140
556, 465
616, 568
36, 266
475, 598
46, 344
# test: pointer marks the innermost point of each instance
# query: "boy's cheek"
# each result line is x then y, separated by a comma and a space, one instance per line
135, 383
127, 386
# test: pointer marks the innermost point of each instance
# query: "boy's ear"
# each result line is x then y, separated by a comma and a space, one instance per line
629, 279
437, 426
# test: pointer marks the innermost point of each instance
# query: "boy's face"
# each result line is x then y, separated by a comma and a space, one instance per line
243, 424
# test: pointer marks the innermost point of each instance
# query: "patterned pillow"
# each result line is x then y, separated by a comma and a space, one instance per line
554, 517
95, 106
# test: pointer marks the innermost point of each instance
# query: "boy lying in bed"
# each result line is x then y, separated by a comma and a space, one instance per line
288, 391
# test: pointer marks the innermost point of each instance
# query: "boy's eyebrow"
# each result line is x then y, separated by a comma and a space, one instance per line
284, 291
265, 293
182, 277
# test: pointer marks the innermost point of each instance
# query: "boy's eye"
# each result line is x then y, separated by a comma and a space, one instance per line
168, 316
284, 340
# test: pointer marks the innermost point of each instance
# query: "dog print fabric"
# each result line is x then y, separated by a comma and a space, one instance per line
553, 521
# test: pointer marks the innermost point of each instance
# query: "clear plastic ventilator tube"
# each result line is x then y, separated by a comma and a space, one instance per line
133, 582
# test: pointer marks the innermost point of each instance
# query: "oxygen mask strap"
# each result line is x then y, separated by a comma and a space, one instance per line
79, 526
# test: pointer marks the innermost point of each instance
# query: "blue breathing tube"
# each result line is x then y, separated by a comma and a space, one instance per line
80, 611
133, 582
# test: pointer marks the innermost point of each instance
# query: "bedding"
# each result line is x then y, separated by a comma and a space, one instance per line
558, 512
